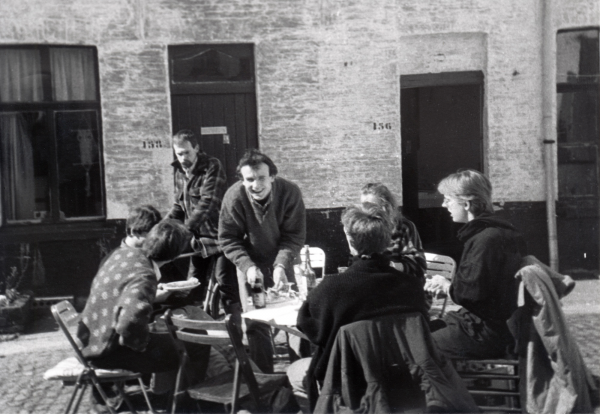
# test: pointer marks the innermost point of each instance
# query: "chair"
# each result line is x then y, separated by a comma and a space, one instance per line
84, 374
226, 388
440, 265
389, 364
317, 258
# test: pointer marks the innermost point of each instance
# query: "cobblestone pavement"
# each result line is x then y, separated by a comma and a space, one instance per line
23, 361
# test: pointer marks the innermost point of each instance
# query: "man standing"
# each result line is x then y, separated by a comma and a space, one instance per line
201, 183
261, 230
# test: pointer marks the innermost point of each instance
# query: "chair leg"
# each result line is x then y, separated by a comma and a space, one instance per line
146, 395
78, 391
236, 387
103, 394
121, 388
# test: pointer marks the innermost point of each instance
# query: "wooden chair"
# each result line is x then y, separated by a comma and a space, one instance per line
226, 388
86, 374
440, 265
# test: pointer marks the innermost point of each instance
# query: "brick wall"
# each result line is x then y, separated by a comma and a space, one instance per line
326, 71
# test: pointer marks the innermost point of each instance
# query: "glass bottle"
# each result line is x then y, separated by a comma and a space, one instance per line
308, 272
259, 299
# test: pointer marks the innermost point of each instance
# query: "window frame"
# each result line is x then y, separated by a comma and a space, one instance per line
51, 108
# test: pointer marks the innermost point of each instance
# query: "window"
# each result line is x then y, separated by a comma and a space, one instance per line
50, 136
578, 109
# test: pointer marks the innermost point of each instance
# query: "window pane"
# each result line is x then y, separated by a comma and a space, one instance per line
73, 74
577, 118
212, 63
79, 169
20, 75
24, 154
577, 56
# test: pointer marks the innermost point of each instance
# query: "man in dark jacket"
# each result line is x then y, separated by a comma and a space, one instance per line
201, 183
369, 288
484, 284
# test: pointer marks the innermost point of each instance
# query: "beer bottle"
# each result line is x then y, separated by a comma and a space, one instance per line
308, 272
259, 299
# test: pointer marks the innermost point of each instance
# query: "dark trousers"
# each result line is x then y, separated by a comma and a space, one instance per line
159, 356
457, 337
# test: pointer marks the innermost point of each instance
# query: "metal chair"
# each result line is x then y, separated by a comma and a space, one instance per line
65, 315
226, 388
317, 258
438, 264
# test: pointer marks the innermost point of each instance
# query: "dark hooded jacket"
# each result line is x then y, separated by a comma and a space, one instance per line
485, 283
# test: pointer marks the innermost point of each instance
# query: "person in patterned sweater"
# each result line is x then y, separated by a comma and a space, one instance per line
405, 250
114, 326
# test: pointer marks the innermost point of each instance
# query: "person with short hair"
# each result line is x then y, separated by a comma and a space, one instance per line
406, 250
369, 288
484, 283
262, 228
201, 183
139, 223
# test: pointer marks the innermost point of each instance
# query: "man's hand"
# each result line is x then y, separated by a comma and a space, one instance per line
438, 285
252, 274
279, 278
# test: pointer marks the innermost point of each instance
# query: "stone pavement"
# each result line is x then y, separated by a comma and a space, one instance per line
24, 360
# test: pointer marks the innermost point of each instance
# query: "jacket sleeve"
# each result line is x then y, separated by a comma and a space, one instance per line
208, 204
177, 211
474, 281
232, 231
411, 255
293, 229
136, 309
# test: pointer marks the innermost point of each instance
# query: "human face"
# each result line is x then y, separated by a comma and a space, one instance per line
186, 154
459, 210
257, 181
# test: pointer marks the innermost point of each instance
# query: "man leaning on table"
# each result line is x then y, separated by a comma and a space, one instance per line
262, 227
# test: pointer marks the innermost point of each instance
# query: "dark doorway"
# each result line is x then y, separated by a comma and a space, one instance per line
441, 118
213, 94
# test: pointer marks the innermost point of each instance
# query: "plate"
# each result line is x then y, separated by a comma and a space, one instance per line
182, 285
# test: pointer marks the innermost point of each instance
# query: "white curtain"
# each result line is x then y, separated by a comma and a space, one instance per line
16, 172
73, 74
20, 75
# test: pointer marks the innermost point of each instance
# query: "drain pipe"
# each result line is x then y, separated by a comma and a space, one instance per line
548, 128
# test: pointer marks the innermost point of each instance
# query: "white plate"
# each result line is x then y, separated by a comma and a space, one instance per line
175, 286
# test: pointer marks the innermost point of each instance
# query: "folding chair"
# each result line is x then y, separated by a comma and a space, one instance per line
86, 374
440, 265
317, 258
225, 388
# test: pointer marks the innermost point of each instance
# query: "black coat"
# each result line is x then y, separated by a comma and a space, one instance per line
485, 283
370, 287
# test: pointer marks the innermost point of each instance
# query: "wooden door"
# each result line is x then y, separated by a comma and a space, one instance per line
225, 124
441, 127
213, 94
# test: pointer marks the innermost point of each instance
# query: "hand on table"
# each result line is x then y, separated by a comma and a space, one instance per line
437, 285
280, 279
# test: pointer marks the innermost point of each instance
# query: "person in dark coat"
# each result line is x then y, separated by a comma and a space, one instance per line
369, 288
484, 284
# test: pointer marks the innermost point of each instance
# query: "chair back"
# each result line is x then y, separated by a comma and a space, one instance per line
65, 315
317, 258
438, 264
215, 333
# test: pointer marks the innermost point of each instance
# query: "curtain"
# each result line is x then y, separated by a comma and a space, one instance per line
20, 75
73, 74
16, 171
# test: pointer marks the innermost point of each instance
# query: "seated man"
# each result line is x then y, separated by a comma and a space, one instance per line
370, 287
114, 324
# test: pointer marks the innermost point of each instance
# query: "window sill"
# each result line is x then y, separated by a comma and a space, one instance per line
35, 233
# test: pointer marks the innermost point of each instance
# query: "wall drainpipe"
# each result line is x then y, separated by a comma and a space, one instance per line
548, 128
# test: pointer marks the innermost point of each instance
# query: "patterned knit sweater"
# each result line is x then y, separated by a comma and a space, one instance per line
120, 303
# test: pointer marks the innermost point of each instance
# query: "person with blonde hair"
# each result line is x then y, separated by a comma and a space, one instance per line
484, 284
405, 249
